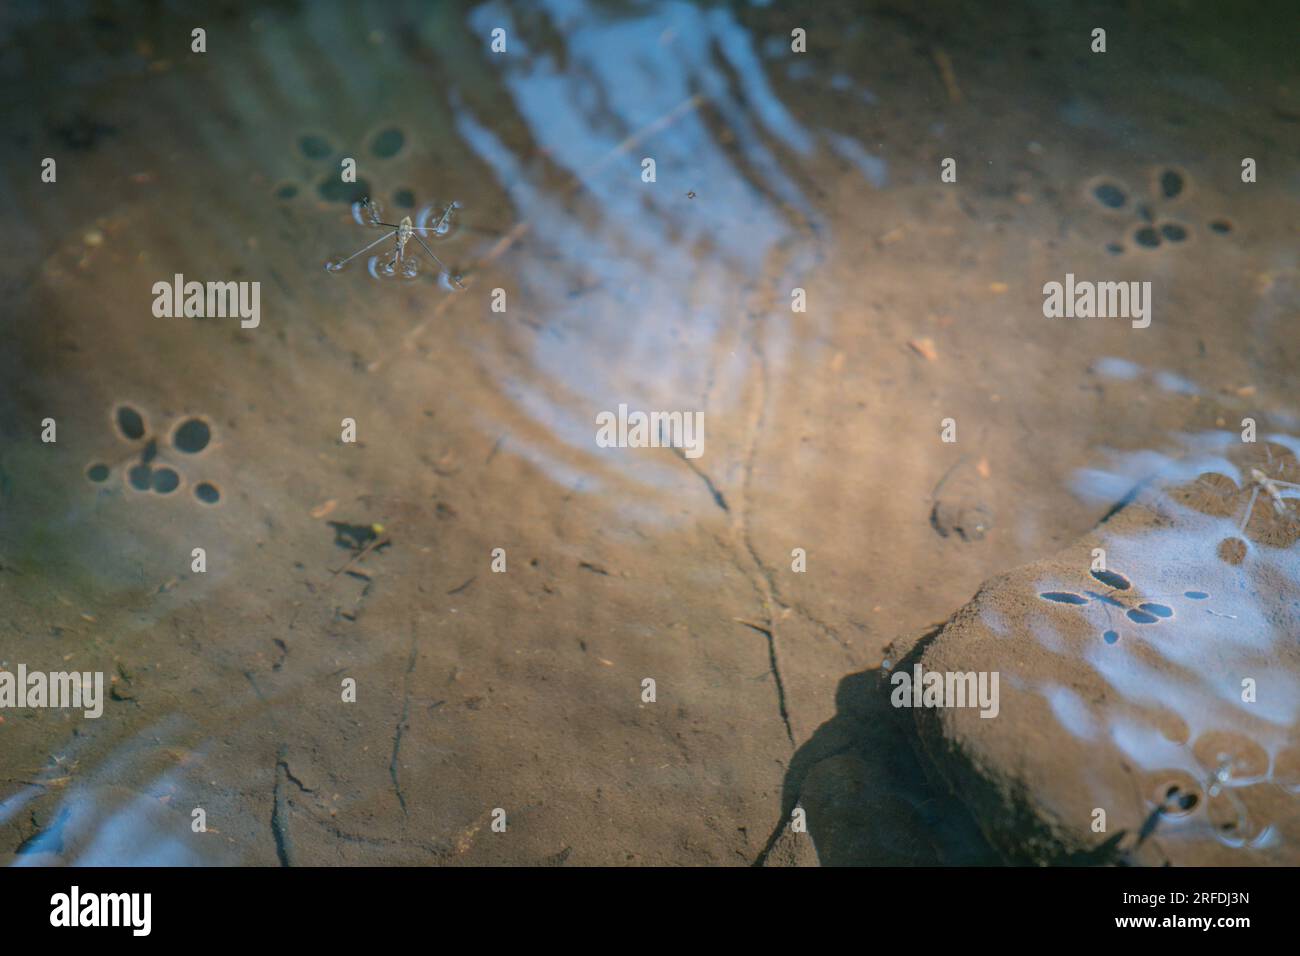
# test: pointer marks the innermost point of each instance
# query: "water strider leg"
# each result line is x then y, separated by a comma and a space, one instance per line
336, 265
1249, 508
442, 264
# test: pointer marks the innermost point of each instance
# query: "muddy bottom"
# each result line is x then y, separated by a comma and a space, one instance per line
452, 446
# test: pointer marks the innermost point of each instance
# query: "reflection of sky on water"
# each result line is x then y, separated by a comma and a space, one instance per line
1193, 663
1071, 710
140, 830
669, 275
1198, 454
1148, 748
1124, 370
129, 835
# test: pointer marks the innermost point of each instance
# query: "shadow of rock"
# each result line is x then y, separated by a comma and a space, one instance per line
866, 794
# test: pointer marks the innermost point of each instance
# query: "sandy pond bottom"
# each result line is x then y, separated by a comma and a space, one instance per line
372, 561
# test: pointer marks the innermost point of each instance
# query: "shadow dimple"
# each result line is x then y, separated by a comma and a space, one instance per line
1109, 195
388, 143
139, 477
1176, 793
315, 147
97, 472
165, 480
207, 492
130, 423
1063, 597
334, 189
1112, 579
192, 436
1179, 801
1171, 184
1147, 237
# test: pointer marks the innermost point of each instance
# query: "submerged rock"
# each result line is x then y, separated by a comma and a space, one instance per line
1149, 684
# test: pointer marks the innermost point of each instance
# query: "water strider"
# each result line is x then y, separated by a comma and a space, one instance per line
401, 262
1276, 490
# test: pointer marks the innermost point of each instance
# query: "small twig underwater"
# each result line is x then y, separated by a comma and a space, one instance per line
374, 545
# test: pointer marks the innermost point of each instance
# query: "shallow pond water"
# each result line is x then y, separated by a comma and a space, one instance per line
703, 344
